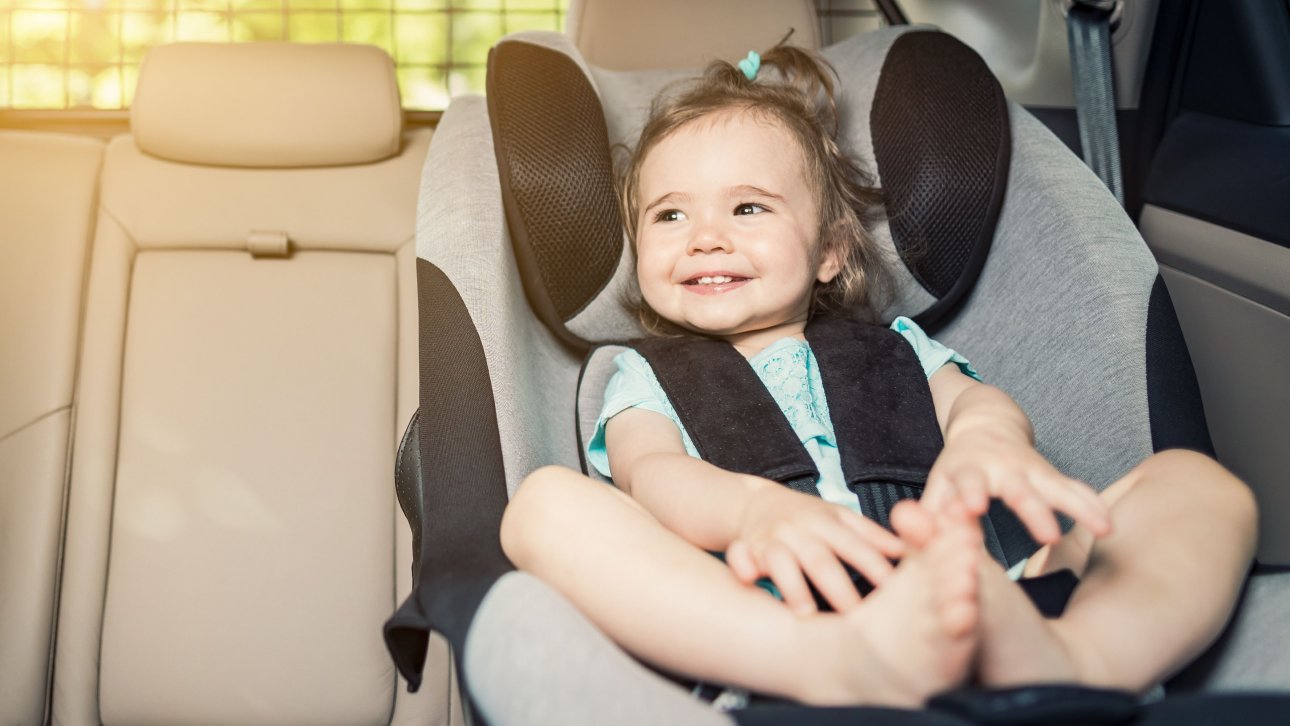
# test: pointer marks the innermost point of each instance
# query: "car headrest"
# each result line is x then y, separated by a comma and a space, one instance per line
625, 34
917, 107
267, 104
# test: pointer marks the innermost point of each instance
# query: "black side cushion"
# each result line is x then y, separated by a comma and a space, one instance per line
942, 143
552, 149
1173, 395
455, 501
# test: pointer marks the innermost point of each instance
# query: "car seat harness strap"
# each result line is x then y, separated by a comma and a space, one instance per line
745, 432
879, 402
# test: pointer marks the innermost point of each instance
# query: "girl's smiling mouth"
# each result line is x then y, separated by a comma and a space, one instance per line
714, 283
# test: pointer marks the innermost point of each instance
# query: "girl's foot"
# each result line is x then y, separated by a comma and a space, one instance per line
912, 637
1017, 645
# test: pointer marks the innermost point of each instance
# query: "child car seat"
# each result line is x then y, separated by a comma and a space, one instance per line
1011, 252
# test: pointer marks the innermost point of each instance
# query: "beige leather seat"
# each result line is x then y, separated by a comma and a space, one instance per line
47, 190
625, 35
249, 362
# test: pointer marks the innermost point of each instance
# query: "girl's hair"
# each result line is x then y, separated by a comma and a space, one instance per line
802, 101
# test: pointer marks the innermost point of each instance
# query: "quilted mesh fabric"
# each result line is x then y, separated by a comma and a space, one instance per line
942, 146
557, 178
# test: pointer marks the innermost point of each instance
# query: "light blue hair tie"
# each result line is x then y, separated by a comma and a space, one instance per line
750, 65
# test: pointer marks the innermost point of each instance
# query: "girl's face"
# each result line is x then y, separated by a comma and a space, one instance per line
727, 239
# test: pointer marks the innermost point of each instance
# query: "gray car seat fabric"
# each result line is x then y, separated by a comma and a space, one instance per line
519, 677
1254, 652
1057, 319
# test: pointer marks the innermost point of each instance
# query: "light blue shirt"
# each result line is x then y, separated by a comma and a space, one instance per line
789, 370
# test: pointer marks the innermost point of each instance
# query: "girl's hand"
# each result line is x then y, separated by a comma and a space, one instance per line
789, 536
981, 463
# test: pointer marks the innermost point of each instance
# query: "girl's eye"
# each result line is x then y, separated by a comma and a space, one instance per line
749, 208
669, 215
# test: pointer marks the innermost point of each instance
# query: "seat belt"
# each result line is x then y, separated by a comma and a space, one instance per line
1088, 26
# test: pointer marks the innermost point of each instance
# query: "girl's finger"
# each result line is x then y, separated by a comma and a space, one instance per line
1084, 505
939, 490
787, 576
973, 488
851, 548
872, 533
1032, 511
740, 561
824, 570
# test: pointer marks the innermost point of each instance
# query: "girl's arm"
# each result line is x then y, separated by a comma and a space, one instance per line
990, 452
691, 497
764, 528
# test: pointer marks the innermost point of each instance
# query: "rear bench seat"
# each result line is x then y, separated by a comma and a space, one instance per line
248, 363
47, 199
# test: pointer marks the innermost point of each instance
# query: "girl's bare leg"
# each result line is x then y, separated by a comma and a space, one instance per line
673, 605
1152, 595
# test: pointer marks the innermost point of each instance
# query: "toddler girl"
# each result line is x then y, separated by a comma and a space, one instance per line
747, 223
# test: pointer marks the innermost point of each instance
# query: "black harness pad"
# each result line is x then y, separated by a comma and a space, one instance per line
881, 408
730, 416
879, 402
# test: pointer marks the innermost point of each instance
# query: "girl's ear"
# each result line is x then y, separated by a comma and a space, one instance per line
830, 266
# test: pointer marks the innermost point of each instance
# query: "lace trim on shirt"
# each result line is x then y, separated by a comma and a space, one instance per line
785, 369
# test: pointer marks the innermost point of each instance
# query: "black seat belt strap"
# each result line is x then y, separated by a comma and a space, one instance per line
1088, 26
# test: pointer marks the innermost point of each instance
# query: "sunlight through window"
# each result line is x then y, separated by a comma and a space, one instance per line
85, 54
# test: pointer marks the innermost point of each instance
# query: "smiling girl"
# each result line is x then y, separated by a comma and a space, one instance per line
747, 224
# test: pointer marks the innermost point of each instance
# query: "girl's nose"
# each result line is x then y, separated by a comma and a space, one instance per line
709, 238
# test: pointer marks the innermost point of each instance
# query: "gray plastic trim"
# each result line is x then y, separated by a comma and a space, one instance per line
1247, 266
1239, 349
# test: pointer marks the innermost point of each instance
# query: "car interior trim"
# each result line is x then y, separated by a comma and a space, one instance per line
1239, 182
1247, 266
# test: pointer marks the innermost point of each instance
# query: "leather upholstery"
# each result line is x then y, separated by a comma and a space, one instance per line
267, 105
233, 540
47, 192
169, 205
626, 35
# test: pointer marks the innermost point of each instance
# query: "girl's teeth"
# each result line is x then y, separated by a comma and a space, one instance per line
715, 279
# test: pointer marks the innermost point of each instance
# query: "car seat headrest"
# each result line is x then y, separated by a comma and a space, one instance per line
626, 34
267, 104
917, 108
